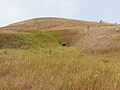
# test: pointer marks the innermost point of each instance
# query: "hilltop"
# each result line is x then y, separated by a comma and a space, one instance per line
53, 23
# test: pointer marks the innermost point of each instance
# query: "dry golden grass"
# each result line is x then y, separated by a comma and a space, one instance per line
63, 68
53, 24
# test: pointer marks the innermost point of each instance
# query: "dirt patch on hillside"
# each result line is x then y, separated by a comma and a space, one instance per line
103, 38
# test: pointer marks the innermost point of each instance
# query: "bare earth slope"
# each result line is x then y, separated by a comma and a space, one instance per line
102, 38
92, 36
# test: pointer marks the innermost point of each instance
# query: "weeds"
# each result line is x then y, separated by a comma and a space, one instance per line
63, 68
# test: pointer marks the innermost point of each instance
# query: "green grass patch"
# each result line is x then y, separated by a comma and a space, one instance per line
31, 40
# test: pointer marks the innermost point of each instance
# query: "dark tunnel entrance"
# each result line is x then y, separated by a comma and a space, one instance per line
64, 44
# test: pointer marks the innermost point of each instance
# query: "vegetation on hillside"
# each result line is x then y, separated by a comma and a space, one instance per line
32, 56
29, 40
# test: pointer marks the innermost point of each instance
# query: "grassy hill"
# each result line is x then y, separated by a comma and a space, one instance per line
93, 36
33, 58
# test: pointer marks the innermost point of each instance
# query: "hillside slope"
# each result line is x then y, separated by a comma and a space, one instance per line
92, 36
104, 39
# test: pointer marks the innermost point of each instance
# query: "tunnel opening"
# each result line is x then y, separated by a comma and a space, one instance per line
64, 44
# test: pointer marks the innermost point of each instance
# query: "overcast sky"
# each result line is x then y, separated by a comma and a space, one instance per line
92, 10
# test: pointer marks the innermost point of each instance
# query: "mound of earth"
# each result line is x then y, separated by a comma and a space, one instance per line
92, 36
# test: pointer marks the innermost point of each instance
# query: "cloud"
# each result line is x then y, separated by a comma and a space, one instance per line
67, 8
10, 13
60, 8
16, 10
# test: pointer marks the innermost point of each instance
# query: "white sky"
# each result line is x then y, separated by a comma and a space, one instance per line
93, 10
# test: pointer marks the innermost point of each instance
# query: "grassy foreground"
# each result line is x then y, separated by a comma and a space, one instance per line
62, 68
36, 61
